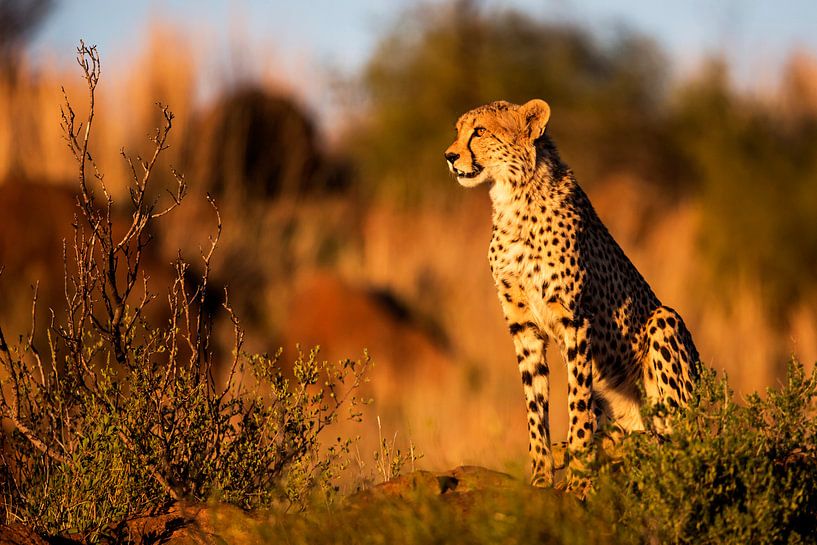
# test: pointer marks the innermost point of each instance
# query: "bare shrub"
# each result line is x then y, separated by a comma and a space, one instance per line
119, 416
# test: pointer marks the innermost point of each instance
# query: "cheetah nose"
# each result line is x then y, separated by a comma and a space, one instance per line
451, 157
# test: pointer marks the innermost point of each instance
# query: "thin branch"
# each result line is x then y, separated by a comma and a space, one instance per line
32, 437
30, 346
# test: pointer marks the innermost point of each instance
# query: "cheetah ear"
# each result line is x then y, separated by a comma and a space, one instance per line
535, 114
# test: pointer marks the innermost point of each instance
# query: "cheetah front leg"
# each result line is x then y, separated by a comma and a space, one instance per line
530, 344
530, 348
582, 419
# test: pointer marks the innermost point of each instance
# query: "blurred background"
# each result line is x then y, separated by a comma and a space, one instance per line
319, 129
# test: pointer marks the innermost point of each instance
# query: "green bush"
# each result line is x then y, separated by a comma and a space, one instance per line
728, 473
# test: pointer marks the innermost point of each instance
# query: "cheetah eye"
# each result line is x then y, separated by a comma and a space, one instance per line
479, 131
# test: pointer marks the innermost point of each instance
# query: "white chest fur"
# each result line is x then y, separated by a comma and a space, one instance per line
526, 258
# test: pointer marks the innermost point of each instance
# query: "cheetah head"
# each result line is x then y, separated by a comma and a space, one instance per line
496, 141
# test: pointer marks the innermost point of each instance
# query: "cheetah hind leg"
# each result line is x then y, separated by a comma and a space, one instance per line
671, 364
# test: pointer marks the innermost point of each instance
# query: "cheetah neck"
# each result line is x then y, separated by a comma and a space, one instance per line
545, 186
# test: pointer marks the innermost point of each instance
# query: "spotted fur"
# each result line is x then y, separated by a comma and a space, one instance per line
561, 276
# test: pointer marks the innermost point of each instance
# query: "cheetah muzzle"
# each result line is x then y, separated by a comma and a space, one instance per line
562, 278
477, 170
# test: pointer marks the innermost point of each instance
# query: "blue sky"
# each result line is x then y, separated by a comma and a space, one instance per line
311, 38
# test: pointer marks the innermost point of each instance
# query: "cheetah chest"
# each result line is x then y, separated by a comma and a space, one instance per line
534, 268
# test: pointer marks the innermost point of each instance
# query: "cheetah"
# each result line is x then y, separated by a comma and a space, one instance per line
561, 276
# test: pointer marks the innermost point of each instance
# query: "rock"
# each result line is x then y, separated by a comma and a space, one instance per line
191, 524
459, 488
19, 534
